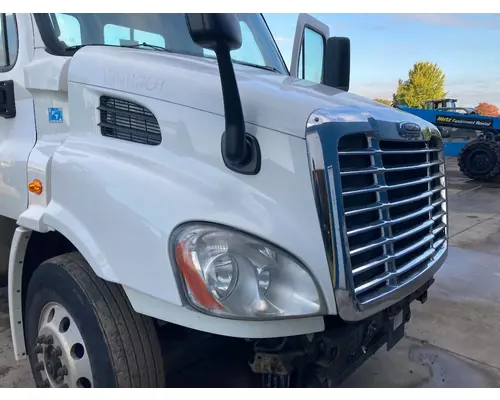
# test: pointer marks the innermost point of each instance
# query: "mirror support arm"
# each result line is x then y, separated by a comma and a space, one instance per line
221, 33
240, 151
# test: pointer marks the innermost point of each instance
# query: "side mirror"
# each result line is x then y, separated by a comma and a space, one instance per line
221, 33
215, 31
337, 66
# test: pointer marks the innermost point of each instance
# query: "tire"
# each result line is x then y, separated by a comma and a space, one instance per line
480, 160
117, 348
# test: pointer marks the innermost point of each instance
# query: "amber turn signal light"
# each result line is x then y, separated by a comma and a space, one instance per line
35, 186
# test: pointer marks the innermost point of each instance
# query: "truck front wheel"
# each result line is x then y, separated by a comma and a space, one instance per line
82, 331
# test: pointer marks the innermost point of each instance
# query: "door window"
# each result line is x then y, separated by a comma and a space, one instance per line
308, 52
8, 41
311, 56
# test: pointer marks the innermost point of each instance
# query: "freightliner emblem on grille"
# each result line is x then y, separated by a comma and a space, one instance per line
410, 130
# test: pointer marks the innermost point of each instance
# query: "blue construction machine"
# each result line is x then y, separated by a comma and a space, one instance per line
472, 138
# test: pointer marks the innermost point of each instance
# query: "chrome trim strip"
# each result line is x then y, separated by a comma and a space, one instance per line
320, 192
341, 266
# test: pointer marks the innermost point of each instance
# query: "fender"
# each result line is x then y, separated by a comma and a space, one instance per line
151, 306
63, 221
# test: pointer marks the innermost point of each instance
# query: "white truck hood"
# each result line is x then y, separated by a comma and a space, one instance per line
269, 99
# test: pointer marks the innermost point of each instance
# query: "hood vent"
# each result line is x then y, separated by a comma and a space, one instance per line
124, 120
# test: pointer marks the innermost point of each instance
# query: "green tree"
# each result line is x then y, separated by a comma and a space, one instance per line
383, 101
425, 82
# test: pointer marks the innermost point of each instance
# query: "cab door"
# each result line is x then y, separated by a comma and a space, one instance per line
17, 119
308, 52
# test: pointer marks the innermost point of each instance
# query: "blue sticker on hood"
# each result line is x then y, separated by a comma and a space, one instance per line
55, 115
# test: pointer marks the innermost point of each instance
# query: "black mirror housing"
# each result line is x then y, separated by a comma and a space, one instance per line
221, 33
213, 31
337, 64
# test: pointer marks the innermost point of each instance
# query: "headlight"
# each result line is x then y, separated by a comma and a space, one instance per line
228, 273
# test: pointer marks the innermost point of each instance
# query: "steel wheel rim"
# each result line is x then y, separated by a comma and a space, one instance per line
62, 357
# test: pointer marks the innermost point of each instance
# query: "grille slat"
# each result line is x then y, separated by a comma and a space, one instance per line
438, 229
439, 214
414, 246
372, 264
382, 224
373, 283
379, 205
386, 276
370, 152
438, 243
407, 217
376, 262
413, 263
124, 120
384, 241
375, 170
370, 246
393, 210
379, 188
367, 228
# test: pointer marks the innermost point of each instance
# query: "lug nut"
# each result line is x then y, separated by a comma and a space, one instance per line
39, 366
40, 339
49, 340
62, 371
57, 352
39, 349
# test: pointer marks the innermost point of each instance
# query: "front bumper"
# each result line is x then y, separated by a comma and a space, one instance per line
328, 358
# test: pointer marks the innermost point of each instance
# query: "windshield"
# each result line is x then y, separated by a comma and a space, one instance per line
168, 31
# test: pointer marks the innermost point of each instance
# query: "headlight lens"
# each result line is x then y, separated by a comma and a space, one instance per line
232, 274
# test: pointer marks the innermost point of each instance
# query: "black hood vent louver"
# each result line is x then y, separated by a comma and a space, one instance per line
124, 120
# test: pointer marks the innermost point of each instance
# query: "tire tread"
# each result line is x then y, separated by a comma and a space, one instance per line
485, 144
132, 340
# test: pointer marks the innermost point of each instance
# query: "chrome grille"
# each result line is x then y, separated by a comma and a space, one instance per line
394, 208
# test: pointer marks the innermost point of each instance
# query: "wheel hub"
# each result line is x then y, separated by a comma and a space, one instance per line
61, 353
480, 161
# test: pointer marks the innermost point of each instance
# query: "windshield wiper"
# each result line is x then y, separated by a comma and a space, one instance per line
144, 44
79, 46
266, 67
132, 46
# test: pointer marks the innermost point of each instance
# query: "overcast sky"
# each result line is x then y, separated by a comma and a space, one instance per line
385, 46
